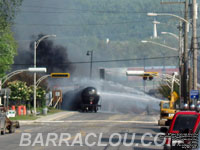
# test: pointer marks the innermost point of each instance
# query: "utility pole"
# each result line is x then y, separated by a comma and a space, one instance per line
194, 42
185, 61
91, 59
190, 81
0, 90
35, 78
90, 53
144, 81
180, 60
185, 55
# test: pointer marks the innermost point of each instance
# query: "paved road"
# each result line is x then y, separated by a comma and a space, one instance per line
77, 128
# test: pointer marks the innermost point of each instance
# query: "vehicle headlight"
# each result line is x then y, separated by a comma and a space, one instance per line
198, 107
192, 106
186, 106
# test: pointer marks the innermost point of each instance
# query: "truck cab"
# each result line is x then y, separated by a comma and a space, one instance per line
167, 110
183, 122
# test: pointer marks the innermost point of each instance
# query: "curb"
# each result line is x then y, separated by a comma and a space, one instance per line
56, 116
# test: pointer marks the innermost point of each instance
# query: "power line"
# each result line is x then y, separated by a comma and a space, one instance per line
89, 11
97, 12
96, 61
73, 25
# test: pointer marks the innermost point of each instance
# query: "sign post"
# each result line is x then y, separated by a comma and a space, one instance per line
194, 94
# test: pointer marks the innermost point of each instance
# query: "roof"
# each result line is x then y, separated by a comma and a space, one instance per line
188, 112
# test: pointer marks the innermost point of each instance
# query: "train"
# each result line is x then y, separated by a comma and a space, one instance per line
90, 99
82, 98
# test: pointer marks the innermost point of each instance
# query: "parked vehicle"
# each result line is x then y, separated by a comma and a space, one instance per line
182, 122
6, 123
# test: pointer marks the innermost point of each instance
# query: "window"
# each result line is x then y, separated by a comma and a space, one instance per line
183, 122
165, 105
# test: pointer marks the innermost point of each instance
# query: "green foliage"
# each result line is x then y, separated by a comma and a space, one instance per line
19, 91
8, 45
28, 78
117, 19
90, 22
41, 93
130, 49
8, 48
7, 11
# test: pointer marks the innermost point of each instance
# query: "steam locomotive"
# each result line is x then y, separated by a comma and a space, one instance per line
89, 99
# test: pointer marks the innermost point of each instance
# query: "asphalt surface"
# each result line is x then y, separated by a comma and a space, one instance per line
77, 127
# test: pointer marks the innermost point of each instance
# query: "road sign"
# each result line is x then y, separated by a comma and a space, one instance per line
194, 94
60, 75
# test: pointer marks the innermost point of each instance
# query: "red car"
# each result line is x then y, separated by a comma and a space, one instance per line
183, 122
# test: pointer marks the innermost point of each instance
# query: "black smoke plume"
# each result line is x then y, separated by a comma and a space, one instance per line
53, 57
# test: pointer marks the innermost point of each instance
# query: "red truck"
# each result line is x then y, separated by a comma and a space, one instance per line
183, 123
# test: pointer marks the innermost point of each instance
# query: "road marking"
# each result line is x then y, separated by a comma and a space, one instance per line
18, 131
114, 117
73, 137
155, 119
28, 130
96, 121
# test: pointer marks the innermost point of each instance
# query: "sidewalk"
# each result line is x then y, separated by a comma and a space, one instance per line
52, 117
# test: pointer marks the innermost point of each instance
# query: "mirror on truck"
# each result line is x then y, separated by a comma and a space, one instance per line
163, 130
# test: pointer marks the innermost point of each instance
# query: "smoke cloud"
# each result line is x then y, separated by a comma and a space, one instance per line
54, 57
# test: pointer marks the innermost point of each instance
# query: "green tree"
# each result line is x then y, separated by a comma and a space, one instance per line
8, 45
20, 92
8, 49
28, 78
40, 96
8, 9
23, 94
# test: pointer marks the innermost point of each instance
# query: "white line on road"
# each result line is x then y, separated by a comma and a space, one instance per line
95, 121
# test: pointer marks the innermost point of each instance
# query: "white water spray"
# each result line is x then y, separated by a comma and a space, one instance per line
115, 97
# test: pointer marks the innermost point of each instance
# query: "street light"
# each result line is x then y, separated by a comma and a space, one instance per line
36, 43
37, 69
90, 53
187, 23
41, 79
179, 38
11, 74
172, 34
167, 14
159, 44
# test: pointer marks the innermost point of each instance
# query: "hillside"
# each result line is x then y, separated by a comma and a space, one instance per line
85, 25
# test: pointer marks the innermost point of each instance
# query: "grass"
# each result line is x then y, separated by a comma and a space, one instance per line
53, 111
50, 111
27, 117
31, 117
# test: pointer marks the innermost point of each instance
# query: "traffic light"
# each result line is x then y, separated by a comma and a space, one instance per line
60, 75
